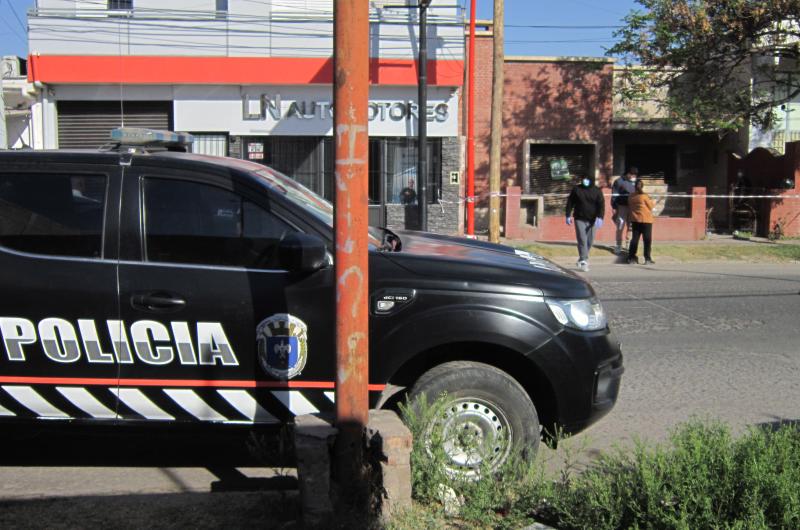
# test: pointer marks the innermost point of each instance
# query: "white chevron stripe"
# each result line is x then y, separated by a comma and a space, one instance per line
194, 404
242, 401
5, 412
81, 398
135, 399
331, 396
295, 401
31, 399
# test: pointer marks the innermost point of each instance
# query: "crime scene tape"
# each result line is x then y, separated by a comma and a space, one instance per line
476, 198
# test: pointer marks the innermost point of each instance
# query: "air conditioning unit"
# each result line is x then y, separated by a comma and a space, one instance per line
10, 66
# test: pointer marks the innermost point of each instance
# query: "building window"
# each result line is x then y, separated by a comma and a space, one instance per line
222, 8
554, 169
210, 144
310, 160
120, 5
400, 170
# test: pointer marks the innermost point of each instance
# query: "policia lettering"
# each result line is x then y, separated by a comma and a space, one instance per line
152, 342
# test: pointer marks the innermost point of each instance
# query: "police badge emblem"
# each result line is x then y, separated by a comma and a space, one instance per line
282, 345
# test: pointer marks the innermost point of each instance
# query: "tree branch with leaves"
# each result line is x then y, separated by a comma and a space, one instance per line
717, 64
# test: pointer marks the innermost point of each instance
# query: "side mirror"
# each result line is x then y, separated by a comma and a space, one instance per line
299, 252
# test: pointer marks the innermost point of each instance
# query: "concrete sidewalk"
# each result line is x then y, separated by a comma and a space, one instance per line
730, 250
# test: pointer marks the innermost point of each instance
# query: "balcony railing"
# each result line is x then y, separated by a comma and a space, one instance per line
284, 32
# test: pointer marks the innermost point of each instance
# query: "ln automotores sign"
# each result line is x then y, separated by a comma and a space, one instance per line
308, 110
272, 106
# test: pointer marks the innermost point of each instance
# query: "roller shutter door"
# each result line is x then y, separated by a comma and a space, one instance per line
87, 124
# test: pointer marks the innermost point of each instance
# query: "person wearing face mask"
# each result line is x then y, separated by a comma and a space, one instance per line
620, 191
586, 206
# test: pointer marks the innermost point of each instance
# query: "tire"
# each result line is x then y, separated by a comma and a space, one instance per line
482, 401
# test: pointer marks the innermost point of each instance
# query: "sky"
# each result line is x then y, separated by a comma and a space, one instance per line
572, 27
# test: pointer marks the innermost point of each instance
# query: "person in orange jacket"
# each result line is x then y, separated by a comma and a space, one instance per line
641, 215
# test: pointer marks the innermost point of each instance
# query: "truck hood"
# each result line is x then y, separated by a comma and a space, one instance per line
460, 260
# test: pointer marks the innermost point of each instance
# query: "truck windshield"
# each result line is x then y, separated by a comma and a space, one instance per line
304, 198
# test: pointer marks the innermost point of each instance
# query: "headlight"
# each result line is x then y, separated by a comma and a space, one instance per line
585, 314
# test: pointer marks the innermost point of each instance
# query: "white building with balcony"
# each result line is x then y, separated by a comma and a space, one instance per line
15, 104
252, 79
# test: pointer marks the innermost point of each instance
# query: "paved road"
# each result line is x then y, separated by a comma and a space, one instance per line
710, 340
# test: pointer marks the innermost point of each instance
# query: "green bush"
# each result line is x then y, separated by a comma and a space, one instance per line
704, 477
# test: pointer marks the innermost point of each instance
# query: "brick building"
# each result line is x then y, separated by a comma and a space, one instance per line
561, 122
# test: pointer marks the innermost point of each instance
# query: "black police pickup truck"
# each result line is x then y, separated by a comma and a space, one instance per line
141, 285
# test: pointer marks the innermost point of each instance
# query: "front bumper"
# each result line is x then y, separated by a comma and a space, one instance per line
585, 370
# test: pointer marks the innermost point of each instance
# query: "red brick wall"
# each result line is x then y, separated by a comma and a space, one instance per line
483, 114
543, 100
787, 211
554, 227
555, 100
766, 171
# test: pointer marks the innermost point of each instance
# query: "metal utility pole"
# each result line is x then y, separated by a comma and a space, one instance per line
351, 101
422, 117
497, 123
471, 124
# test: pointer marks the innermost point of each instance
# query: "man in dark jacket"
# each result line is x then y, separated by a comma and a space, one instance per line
586, 205
620, 190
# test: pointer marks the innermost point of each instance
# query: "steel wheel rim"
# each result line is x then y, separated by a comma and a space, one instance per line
476, 436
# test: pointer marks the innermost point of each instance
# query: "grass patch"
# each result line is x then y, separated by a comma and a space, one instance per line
755, 252
555, 250
704, 477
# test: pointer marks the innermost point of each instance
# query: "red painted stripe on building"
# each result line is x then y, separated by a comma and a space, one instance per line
216, 383
143, 70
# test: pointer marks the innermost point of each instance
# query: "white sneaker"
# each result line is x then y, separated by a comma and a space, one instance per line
583, 266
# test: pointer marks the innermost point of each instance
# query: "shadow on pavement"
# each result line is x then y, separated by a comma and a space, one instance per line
173, 510
110, 446
778, 424
232, 500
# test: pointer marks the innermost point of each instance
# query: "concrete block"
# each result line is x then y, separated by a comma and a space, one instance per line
314, 437
389, 444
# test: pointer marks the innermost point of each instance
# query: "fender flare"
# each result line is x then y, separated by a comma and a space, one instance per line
467, 323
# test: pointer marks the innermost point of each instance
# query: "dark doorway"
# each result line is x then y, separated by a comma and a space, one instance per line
657, 162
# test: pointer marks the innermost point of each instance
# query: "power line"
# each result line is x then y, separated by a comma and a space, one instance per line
549, 26
14, 11
12, 28
566, 41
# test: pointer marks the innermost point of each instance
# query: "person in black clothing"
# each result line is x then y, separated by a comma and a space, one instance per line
408, 195
586, 205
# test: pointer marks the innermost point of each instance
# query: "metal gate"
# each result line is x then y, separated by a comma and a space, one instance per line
87, 124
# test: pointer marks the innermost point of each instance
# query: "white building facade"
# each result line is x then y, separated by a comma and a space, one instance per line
16, 97
252, 79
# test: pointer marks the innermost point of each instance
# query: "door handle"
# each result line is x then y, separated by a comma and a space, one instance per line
157, 302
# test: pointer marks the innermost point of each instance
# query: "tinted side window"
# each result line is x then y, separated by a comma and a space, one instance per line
52, 214
189, 222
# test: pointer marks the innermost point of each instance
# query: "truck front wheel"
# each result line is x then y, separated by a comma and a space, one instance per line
484, 417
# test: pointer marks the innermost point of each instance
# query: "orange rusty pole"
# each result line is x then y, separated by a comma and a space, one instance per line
351, 100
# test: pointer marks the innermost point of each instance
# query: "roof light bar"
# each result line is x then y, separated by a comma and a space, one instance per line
153, 137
